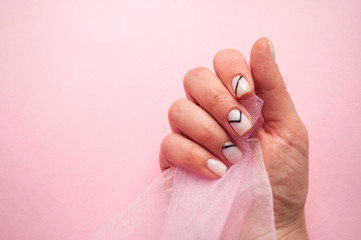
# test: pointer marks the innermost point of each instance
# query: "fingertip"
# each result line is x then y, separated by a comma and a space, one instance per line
164, 164
232, 69
216, 167
224, 54
263, 50
208, 174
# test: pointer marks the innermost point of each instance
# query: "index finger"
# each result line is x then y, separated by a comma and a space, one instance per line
231, 67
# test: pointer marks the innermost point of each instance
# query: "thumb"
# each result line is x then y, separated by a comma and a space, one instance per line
278, 110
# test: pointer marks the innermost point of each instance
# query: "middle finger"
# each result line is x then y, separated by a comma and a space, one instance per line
206, 89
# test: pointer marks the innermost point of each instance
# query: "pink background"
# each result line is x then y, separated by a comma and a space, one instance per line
85, 88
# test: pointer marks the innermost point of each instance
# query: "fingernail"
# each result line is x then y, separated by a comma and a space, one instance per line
239, 122
272, 50
240, 85
231, 152
216, 167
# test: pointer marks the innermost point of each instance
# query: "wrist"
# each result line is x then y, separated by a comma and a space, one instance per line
295, 230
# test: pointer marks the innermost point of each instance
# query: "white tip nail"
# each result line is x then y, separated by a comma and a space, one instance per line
216, 167
240, 85
272, 50
231, 152
239, 122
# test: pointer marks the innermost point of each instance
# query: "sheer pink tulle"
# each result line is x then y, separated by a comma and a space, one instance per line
182, 205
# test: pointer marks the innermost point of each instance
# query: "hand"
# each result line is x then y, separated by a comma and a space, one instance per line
202, 136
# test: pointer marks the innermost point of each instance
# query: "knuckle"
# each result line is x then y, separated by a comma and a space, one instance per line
191, 153
191, 74
176, 108
207, 132
217, 96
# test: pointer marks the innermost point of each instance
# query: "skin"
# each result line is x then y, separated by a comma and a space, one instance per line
200, 129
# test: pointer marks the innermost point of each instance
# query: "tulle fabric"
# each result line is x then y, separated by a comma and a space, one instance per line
182, 205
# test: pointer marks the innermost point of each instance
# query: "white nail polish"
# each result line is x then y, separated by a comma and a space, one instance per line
272, 50
231, 152
239, 122
240, 85
216, 167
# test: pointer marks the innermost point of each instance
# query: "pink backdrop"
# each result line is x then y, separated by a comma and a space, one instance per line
85, 87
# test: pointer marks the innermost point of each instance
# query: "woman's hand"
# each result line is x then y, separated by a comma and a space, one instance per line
204, 124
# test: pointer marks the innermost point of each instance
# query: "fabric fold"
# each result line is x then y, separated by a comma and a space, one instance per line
182, 205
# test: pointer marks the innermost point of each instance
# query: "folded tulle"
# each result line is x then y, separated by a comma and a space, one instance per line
182, 205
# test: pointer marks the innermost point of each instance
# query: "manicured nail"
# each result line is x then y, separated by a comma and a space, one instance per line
239, 122
216, 167
231, 152
240, 85
272, 50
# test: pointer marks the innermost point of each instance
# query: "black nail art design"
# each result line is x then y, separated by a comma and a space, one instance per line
228, 145
235, 90
237, 120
